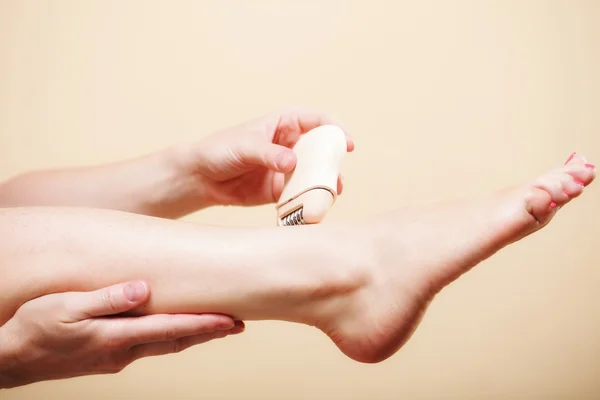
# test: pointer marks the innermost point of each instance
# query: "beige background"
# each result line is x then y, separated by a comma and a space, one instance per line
444, 99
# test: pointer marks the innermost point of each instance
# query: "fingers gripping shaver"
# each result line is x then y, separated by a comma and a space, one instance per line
311, 189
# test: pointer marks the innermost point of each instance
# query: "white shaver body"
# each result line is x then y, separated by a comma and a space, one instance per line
311, 189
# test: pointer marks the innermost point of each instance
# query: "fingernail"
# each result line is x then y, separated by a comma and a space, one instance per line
351, 144
135, 291
552, 205
571, 157
590, 166
282, 160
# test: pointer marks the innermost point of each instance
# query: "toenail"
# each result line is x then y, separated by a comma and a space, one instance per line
580, 183
590, 166
552, 205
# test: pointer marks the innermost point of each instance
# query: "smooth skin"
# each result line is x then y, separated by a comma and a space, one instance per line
366, 285
66, 334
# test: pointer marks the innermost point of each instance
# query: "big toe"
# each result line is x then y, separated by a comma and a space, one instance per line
577, 170
559, 186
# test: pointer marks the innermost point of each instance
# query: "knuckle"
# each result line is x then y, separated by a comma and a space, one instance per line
112, 339
113, 343
109, 300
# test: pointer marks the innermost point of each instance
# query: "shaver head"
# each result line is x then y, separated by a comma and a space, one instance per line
307, 207
309, 191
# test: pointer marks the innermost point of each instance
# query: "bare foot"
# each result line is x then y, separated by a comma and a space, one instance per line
420, 251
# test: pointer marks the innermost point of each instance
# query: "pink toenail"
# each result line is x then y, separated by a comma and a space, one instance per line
570, 157
552, 205
566, 193
580, 183
590, 166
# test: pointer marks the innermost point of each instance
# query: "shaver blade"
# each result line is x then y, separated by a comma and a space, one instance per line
293, 218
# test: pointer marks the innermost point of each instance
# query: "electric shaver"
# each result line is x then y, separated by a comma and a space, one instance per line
310, 190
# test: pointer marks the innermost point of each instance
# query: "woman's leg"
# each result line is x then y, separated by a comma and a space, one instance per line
366, 286
248, 273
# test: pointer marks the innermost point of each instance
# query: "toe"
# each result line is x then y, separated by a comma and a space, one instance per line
570, 158
576, 159
551, 183
571, 187
538, 204
556, 188
581, 173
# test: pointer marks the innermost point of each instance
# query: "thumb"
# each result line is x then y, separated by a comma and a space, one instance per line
110, 300
269, 155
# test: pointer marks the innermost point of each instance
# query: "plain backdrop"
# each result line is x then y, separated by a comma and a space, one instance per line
444, 98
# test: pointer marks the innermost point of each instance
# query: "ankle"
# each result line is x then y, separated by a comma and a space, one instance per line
348, 259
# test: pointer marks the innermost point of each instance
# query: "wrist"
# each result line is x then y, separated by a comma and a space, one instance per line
187, 189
